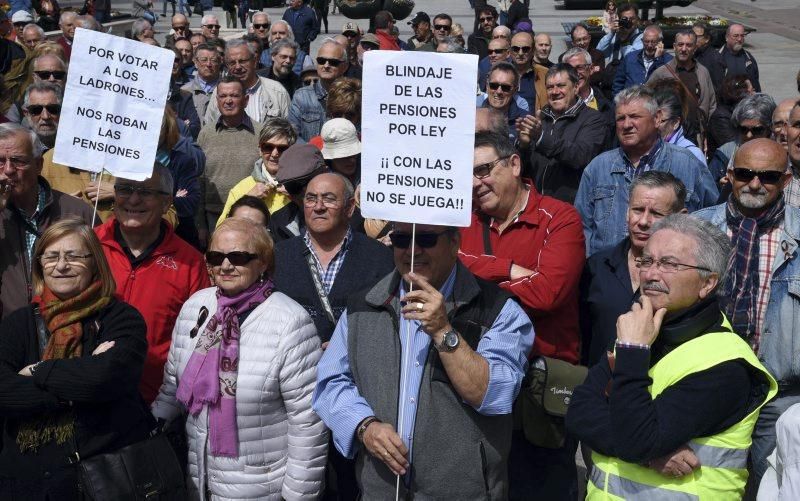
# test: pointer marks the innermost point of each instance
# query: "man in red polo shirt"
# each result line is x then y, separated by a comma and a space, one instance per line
532, 246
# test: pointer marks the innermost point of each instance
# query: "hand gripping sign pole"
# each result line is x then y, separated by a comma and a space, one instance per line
418, 133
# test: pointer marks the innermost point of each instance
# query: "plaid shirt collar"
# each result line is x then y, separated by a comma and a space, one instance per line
328, 276
32, 221
646, 163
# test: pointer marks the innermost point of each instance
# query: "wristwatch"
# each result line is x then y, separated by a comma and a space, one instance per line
449, 342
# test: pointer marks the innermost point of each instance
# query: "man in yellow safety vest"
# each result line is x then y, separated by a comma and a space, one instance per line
670, 412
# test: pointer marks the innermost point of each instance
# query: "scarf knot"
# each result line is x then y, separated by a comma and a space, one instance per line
209, 379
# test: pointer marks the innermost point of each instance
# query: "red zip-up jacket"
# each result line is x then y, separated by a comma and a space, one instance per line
546, 237
158, 287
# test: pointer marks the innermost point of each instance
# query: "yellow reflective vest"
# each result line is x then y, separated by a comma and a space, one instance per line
723, 457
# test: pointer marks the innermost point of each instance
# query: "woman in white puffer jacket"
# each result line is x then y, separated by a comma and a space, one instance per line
243, 364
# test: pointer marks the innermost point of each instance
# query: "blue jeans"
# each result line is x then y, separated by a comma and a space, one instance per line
540, 473
764, 438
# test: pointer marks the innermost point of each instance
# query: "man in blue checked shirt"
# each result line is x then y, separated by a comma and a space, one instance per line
424, 381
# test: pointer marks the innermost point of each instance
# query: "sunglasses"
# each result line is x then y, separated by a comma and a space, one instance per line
45, 75
486, 19
498, 85
236, 258
310, 81
350, 34
126, 191
497, 51
269, 147
745, 175
179, 28
36, 109
442, 27
322, 61
423, 240
524, 49
261, 26
211, 26
756, 131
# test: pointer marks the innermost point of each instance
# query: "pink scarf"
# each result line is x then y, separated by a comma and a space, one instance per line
210, 376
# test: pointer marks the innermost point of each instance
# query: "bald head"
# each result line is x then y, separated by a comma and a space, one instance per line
761, 153
779, 118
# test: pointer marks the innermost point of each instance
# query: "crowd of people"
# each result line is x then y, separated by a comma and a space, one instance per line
635, 220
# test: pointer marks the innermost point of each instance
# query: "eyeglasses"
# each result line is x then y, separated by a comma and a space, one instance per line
350, 34
665, 265
236, 258
261, 26
237, 62
51, 259
486, 19
423, 240
310, 81
330, 201
211, 26
126, 190
498, 85
18, 163
442, 27
205, 60
322, 61
36, 109
269, 147
759, 130
498, 51
523, 49
482, 171
745, 175
179, 28
45, 75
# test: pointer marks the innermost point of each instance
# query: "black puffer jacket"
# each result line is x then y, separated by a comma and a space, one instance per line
101, 390
568, 143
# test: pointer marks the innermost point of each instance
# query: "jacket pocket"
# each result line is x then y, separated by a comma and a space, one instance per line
484, 469
603, 197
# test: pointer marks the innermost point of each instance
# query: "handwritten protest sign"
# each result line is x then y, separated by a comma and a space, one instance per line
418, 134
113, 105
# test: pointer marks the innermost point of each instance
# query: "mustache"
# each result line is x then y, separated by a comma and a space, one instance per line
655, 286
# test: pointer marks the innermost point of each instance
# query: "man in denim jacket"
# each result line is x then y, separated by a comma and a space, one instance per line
602, 198
762, 285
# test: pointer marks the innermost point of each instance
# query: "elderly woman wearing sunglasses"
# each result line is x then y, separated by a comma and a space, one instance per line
242, 366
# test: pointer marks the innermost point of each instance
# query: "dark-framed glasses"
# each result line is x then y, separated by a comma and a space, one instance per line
745, 175
127, 190
425, 240
665, 265
482, 171
45, 75
498, 85
36, 109
322, 61
270, 147
236, 258
758, 130
261, 26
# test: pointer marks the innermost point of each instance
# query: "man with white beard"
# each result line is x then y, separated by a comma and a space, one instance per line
761, 273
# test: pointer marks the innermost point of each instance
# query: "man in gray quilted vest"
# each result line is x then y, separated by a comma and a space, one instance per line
421, 373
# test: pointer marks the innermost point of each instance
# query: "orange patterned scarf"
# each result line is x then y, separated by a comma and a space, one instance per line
63, 321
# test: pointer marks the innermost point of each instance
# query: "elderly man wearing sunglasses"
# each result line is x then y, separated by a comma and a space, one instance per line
761, 276
458, 347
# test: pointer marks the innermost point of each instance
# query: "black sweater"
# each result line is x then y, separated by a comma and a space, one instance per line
631, 425
101, 389
366, 262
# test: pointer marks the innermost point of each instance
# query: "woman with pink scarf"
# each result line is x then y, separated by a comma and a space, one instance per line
242, 368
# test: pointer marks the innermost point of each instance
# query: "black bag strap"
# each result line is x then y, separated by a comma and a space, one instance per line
323, 296
41, 332
487, 243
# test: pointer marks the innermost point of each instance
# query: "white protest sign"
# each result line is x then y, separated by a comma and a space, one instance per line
418, 135
113, 105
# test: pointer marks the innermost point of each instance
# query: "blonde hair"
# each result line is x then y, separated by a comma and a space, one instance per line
256, 234
72, 225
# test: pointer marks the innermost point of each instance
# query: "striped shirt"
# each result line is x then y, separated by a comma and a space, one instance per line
328, 276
